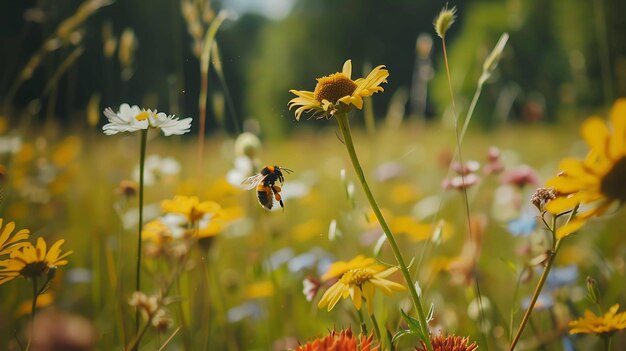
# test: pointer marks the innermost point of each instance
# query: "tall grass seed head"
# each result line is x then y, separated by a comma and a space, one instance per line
444, 21
491, 62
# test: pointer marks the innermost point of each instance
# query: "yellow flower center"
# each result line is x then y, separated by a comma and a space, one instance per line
613, 185
357, 276
142, 116
333, 87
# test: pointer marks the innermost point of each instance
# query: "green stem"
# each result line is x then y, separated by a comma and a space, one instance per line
344, 126
135, 343
535, 296
376, 328
608, 342
142, 159
33, 309
363, 325
555, 248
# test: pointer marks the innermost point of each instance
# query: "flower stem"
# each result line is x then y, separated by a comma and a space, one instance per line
535, 296
362, 324
376, 328
555, 248
609, 342
134, 344
33, 309
142, 161
344, 126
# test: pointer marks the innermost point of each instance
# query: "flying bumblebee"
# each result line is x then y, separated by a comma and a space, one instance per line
265, 183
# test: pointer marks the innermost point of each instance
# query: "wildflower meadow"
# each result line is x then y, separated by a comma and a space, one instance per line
313, 175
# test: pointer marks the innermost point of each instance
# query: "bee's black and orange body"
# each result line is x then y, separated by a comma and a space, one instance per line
266, 187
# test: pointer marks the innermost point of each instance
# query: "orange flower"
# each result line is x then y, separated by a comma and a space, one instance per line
343, 340
449, 343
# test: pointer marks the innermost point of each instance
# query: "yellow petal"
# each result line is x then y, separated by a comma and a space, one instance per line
617, 144
563, 204
355, 293
596, 134
5, 232
569, 228
370, 84
576, 168
40, 249
331, 296
355, 100
567, 185
368, 293
347, 69
387, 272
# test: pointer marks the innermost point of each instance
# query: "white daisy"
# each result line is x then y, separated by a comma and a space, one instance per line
132, 118
125, 120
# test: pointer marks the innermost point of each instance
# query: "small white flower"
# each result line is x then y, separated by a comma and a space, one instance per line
125, 120
132, 118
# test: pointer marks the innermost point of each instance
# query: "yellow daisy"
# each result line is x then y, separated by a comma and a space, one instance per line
337, 269
601, 325
33, 261
597, 182
10, 243
359, 284
338, 92
190, 206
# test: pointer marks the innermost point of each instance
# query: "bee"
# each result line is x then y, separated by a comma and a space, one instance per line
265, 183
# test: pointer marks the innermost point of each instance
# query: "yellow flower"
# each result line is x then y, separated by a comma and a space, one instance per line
337, 269
449, 343
338, 92
597, 182
10, 243
359, 284
33, 261
190, 206
343, 340
601, 325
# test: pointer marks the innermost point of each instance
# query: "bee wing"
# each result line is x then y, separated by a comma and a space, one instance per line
253, 181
